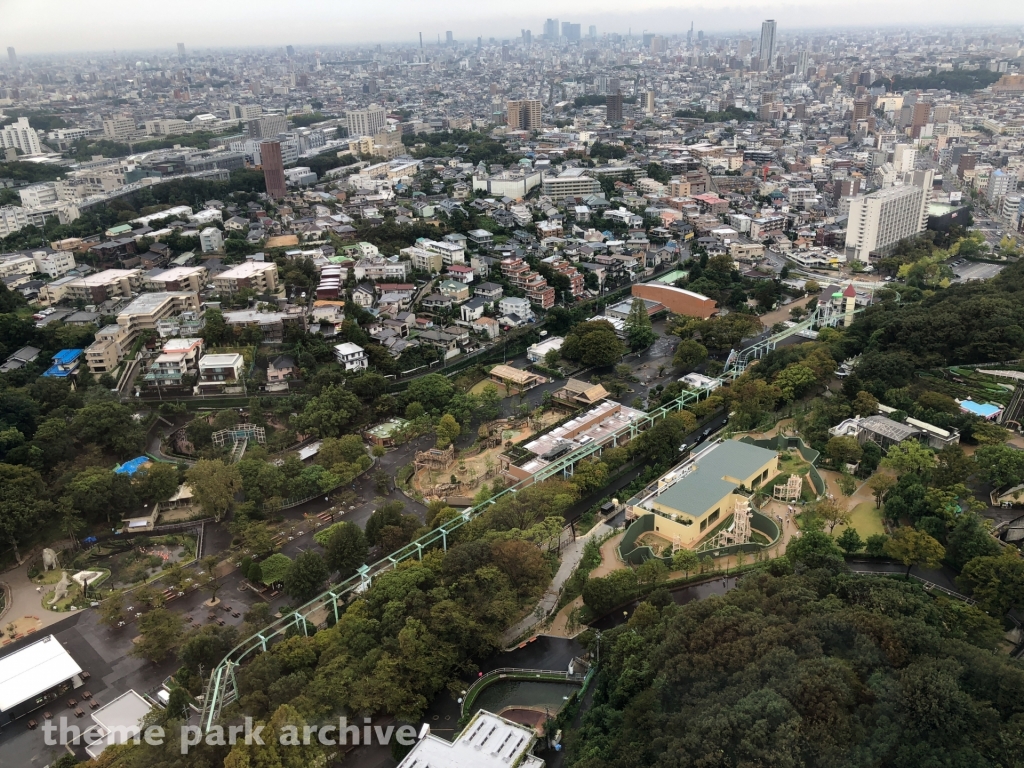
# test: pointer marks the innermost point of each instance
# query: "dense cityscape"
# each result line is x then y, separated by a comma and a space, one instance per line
576, 397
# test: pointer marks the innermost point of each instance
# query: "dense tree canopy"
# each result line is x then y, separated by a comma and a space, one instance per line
804, 670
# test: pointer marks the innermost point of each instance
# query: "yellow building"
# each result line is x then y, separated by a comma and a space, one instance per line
693, 500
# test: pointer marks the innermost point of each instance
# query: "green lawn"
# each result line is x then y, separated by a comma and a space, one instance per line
865, 519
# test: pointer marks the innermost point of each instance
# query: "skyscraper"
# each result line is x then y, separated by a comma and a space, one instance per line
290, 50
181, 52
273, 168
449, 39
551, 29
12, 56
766, 53
593, 32
613, 102
527, 38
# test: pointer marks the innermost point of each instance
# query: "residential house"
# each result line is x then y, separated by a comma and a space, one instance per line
217, 372
458, 292
352, 356
281, 368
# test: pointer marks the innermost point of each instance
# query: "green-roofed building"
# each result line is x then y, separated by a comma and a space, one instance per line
691, 500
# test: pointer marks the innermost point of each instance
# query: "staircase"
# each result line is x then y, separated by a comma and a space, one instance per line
238, 451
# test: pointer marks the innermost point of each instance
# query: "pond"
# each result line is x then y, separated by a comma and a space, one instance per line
538, 694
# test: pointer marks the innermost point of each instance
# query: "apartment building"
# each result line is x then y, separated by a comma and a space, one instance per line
211, 240
145, 312
119, 127
108, 284
108, 349
520, 275
1000, 184
576, 279
260, 276
271, 324
178, 359
20, 135
12, 219
52, 263
424, 260
381, 268
523, 114
167, 127
451, 253
572, 182
366, 122
178, 279
878, 221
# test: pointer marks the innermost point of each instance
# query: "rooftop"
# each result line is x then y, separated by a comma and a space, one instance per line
489, 741
33, 670
147, 303
711, 479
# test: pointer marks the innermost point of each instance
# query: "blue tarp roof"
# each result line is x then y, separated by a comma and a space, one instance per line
67, 356
131, 467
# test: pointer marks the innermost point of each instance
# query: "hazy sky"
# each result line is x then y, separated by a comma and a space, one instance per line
38, 26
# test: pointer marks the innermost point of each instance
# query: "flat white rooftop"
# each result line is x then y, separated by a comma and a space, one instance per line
119, 721
33, 670
248, 269
489, 741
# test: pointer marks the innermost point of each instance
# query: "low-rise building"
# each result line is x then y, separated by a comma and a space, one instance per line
217, 372
692, 501
536, 352
352, 356
211, 240
259, 276
177, 279
108, 284
489, 741
596, 427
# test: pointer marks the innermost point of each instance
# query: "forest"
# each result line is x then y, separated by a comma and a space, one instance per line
804, 666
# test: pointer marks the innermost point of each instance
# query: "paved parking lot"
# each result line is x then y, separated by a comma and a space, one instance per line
974, 270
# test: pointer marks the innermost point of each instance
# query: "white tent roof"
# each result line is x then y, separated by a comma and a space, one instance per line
34, 669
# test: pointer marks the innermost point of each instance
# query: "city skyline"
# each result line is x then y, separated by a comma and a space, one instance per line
118, 22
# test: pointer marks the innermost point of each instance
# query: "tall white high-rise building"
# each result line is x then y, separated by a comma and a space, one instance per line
20, 135
367, 122
12, 57
1000, 184
1010, 212
877, 222
803, 62
904, 157
766, 54
181, 52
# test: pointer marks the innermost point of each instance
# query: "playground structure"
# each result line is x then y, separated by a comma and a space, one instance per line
239, 435
737, 533
222, 687
791, 490
435, 459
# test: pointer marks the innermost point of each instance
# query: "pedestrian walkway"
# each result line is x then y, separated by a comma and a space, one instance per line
571, 556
